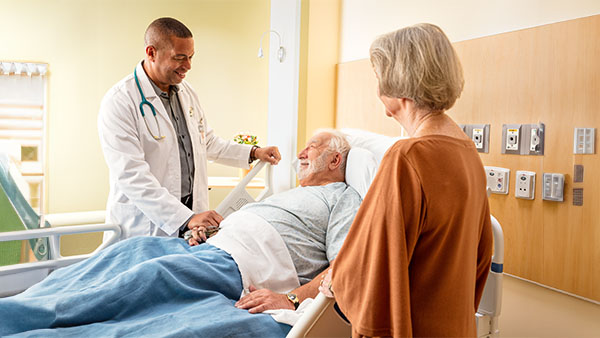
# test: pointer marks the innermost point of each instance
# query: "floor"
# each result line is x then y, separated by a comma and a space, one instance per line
530, 310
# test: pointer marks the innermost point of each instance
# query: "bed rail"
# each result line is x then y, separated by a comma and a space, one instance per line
18, 277
239, 197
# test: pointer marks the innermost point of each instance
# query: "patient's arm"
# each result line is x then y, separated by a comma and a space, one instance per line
260, 300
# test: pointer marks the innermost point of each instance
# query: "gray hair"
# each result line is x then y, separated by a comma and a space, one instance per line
418, 63
338, 143
160, 31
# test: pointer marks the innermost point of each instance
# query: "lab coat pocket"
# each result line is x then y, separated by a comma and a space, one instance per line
132, 220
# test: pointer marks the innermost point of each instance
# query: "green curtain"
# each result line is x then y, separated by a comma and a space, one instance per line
16, 214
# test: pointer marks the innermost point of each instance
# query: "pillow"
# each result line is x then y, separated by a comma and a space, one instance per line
361, 167
375, 143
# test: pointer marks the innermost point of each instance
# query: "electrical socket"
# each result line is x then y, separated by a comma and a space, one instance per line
525, 184
497, 179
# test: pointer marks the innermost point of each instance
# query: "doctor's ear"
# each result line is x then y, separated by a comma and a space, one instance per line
151, 52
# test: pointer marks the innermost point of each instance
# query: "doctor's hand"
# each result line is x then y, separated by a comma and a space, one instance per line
268, 154
205, 220
259, 300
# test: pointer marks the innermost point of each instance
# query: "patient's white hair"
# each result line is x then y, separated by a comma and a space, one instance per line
337, 143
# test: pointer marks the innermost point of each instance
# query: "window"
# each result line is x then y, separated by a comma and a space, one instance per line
22, 124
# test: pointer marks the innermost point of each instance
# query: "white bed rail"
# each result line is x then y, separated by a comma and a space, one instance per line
321, 320
239, 197
488, 312
18, 277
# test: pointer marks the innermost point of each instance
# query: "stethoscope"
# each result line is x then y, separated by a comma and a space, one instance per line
146, 102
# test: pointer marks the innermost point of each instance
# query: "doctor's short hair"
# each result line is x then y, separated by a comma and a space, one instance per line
337, 143
419, 63
160, 31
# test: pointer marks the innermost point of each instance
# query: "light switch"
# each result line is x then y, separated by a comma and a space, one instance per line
525, 184
584, 141
553, 187
497, 179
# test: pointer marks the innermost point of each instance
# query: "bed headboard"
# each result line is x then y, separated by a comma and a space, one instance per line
547, 74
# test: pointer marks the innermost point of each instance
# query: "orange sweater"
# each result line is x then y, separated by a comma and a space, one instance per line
418, 253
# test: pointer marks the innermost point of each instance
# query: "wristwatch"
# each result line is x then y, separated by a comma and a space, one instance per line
294, 299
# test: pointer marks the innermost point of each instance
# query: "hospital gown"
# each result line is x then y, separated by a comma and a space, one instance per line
151, 286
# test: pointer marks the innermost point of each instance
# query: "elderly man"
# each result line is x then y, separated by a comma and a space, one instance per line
273, 251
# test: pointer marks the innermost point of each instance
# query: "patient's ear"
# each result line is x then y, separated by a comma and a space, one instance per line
335, 162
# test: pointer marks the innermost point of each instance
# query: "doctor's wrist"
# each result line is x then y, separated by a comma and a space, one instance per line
252, 157
184, 227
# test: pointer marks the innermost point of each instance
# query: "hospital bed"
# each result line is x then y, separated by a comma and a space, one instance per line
321, 318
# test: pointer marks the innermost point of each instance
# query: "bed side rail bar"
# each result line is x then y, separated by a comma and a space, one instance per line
238, 197
54, 234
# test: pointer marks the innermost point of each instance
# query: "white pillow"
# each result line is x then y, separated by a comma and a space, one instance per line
376, 143
361, 167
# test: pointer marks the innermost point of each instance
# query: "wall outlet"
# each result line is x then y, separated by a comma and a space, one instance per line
534, 142
554, 185
497, 179
480, 134
511, 139
478, 137
525, 184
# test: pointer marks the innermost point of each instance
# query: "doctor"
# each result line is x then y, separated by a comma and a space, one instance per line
156, 142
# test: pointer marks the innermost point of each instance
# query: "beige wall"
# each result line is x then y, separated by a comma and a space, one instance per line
363, 20
90, 45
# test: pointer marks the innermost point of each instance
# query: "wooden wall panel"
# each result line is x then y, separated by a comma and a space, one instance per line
548, 74
357, 103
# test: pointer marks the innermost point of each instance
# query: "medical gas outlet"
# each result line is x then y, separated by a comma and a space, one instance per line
480, 134
525, 184
523, 139
497, 179
512, 139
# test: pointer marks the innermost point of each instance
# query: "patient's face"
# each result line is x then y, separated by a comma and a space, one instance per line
314, 158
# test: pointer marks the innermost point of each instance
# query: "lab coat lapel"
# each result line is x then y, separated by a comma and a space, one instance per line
189, 112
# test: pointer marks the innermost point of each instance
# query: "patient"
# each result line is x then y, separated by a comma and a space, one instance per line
164, 287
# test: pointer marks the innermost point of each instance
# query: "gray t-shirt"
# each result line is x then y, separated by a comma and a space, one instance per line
312, 221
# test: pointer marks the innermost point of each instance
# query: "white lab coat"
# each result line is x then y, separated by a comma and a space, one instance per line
145, 174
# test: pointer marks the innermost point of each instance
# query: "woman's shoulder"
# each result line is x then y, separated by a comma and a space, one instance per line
429, 143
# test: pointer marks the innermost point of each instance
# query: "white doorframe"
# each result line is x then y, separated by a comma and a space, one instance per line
283, 89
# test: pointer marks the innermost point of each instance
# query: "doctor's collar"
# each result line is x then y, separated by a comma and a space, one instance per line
172, 89
157, 90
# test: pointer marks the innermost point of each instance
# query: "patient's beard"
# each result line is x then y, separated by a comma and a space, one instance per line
317, 165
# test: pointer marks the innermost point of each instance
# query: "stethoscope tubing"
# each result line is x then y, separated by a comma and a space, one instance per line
146, 102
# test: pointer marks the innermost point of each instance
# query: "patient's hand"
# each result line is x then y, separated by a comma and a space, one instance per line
268, 154
325, 287
199, 235
261, 300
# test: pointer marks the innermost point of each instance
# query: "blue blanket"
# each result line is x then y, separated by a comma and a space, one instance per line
144, 286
